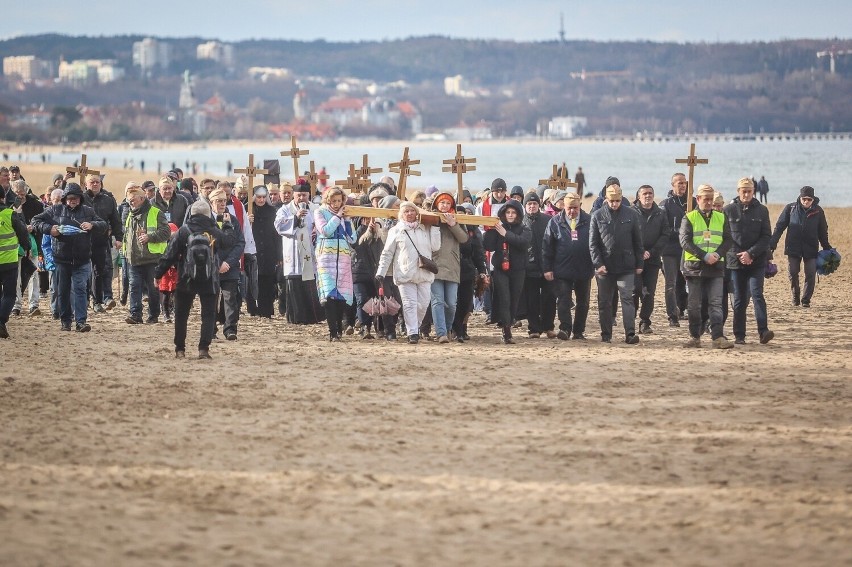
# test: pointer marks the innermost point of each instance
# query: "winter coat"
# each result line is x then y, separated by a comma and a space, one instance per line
20, 230
655, 231
701, 268
335, 237
175, 210
448, 256
74, 249
106, 208
615, 240
29, 209
537, 224
806, 230
401, 251
368, 249
266, 240
137, 254
230, 250
471, 255
568, 259
675, 208
518, 237
750, 232
175, 253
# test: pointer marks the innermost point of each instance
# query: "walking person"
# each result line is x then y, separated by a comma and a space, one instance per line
746, 259
13, 234
335, 236
268, 245
146, 234
675, 290
655, 235
538, 290
445, 286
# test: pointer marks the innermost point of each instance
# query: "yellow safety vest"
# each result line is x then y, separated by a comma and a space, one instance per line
707, 236
8, 238
153, 247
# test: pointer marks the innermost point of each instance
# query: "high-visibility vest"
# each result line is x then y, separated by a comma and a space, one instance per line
153, 247
8, 238
707, 236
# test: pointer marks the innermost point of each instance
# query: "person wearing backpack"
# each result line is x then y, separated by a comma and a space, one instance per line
146, 233
193, 251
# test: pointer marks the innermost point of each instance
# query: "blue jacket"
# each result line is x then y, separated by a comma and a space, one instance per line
568, 259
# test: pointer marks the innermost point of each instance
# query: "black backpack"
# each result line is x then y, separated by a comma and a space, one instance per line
200, 262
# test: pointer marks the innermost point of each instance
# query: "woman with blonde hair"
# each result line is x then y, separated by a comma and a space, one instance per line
406, 243
335, 236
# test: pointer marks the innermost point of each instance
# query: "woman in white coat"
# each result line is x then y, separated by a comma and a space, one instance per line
406, 241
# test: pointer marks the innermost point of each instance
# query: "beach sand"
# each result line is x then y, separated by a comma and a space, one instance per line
287, 450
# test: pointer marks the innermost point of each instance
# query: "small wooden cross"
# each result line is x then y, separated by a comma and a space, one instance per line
691, 162
459, 166
81, 171
294, 153
366, 171
403, 168
251, 171
559, 179
353, 181
313, 178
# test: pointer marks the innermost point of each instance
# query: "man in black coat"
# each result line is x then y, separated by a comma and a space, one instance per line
72, 225
746, 259
538, 291
655, 235
200, 221
675, 207
566, 260
105, 206
615, 243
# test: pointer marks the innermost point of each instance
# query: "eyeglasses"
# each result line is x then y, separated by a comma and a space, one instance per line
807, 198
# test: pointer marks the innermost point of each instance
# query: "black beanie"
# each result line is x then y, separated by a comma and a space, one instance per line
517, 190
498, 184
612, 181
531, 196
806, 191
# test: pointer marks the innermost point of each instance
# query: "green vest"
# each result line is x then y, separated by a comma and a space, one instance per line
153, 247
8, 238
706, 236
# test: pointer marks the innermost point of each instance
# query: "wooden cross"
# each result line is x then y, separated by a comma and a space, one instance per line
402, 167
251, 171
353, 181
691, 162
366, 171
558, 180
426, 217
81, 171
313, 178
294, 153
459, 166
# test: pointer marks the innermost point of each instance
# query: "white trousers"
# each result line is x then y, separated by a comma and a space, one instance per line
416, 299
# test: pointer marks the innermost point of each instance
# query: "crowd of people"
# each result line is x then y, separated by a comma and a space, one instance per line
308, 260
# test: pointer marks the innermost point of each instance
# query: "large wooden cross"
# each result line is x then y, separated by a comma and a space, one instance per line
354, 182
313, 178
691, 162
294, 152
251, 171
82, 171
431, 218
403, 168
559, 179
459, 165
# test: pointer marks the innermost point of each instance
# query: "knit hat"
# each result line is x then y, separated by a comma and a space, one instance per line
612, 181
377, 191
559, 196
517, 190
444, 196
388, 202
705, 190
200, 207
547, 196
431, 190
468, 208
57, 177
498, 185
806, 191
532, 196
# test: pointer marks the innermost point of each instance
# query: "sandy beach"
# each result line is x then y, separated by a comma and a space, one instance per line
288, 450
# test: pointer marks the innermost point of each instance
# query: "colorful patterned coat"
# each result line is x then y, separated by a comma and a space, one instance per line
333, 256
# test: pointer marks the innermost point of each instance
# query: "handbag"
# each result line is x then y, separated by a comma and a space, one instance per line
423, 262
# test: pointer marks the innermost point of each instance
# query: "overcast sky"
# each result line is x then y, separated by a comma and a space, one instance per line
352, 20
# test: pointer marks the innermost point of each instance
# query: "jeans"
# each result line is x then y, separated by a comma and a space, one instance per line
748, 284
712, 288
582, 290
142, 277
73, 300
606, 286
444, 297
794, 264
415, 302
541, 304
53, 294
676, 295
9, 283
643, 294
183, 304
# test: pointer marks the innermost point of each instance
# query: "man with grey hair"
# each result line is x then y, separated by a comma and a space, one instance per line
103, 202
27, 206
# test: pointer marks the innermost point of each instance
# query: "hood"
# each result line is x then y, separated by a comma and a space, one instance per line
72, 189
200, 223
444, 195
511, 203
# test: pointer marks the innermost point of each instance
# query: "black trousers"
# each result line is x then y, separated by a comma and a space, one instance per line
334, 311
507, 292
266, 287
183, 304
643, 293
541, 304
464, 304
581, 290
229, 306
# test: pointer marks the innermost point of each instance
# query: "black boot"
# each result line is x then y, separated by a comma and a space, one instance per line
507, 335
